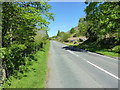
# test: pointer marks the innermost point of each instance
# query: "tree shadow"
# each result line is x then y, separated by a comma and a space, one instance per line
74, 49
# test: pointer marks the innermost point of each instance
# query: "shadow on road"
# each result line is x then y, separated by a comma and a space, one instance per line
73, 49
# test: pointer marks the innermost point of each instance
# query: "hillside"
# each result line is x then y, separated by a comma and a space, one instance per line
95, 32
104, 46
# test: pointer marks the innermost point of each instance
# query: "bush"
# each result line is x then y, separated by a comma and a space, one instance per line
2, 52
13, 58
116, 49
72, 31
65, 37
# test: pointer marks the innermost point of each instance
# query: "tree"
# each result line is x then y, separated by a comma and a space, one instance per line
19, 21
103, 22
72, 31
65, 36
82, 27
58, 34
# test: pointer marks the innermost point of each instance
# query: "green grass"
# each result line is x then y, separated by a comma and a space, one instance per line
93, 48
35, 78
107, 53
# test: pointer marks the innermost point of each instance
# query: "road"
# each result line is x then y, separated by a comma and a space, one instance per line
70, 68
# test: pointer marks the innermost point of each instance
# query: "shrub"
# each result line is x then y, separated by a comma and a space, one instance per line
65, 37
14, 57
116, 49
72, 31
2, 52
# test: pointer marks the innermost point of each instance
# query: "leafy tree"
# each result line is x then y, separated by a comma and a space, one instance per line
82, 27
65, 36
72, 31
58, 34
19, 32
82, 20
103, 22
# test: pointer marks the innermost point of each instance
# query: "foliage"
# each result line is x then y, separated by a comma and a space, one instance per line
116, 49
101, 25
82, 27
62, 36
35, 77
103, 22
20, 36
58, 34
65, 36
72, 31
2, 52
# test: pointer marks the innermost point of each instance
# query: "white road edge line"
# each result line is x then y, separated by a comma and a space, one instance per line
102, 55
97, 66
73, 53
76, 55
103, 70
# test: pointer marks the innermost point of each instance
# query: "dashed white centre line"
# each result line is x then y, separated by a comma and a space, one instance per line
103, 70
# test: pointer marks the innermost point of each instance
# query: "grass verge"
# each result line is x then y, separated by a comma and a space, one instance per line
98, 50
35, 77
93, 48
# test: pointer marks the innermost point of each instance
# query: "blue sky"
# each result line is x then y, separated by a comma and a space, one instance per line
67, 15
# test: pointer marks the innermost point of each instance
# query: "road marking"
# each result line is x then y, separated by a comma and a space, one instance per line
96, 66
76, 55
73, 53
102, 55
103, 70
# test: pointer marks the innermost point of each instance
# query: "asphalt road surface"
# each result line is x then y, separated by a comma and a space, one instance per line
73, 68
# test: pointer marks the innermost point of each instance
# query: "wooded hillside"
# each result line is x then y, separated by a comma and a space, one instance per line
101, 27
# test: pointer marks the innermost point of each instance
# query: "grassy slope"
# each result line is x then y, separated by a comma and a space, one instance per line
36, 77
102, 51
107, 53
92, 47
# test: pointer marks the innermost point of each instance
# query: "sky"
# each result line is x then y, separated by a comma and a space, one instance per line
66, 15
